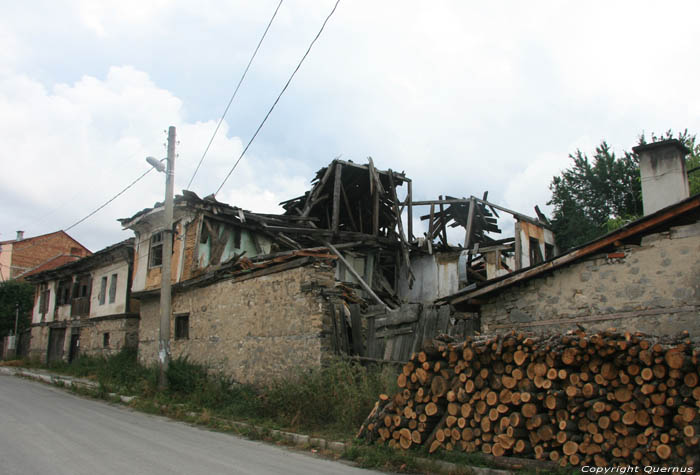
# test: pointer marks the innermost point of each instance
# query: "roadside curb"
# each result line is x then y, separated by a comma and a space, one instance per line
292, 438
66, 381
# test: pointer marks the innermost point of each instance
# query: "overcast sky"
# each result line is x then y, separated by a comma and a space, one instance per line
462, 96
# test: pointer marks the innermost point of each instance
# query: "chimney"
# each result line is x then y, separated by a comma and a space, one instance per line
664, 179
20, 235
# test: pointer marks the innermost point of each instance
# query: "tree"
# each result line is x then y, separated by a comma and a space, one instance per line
13, 293
596, 196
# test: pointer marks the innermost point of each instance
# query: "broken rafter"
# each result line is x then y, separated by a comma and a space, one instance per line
357, 276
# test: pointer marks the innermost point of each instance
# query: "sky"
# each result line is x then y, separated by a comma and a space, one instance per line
464, 97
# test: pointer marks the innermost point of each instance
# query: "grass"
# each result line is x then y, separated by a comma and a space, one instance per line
330, 401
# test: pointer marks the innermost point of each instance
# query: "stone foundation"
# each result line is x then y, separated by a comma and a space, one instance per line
653, 288
253, 330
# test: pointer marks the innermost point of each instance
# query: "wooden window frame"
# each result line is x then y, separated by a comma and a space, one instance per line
182, 327
113, 288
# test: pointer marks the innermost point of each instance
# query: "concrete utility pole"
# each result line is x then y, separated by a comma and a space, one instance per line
16, 317
165, 293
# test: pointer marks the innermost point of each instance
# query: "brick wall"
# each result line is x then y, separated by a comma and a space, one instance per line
252, 330
654, 288
31, 252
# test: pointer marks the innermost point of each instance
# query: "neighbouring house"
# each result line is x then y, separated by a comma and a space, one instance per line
22, 257
85, 306
644, 276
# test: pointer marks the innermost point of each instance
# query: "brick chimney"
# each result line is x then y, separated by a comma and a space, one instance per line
20, 235
664, 179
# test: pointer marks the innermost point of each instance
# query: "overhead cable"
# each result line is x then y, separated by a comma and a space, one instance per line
240, 81
278, 97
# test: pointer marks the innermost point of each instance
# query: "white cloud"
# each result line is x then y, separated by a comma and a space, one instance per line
463, 97
89, 139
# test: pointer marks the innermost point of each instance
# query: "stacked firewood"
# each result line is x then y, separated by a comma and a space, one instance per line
604, 399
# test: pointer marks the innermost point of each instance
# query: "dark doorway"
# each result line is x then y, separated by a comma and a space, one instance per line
57, 336
74, 345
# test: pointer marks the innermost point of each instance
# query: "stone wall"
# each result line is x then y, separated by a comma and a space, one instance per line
123, 333
39, 343
653, 288
253, 330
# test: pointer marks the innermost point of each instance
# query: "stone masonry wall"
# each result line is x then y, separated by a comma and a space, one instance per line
654, 288
123, 333
253, 330
39, 343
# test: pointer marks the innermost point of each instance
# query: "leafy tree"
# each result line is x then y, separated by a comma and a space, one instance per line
13, 293
598, 195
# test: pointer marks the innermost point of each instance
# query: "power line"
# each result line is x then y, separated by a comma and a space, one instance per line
240, 81
278, 97
110, 200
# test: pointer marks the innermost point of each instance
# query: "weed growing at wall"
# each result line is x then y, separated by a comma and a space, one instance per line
332, 400
337, 396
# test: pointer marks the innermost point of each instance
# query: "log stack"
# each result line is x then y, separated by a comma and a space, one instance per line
608, 399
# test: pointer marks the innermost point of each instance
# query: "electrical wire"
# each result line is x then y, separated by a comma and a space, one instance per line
240, 81
110, 200
278, 97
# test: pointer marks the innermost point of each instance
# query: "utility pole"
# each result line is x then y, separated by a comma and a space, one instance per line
165, 292
16, 317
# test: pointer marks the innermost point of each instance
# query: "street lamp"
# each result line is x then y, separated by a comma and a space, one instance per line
165, 293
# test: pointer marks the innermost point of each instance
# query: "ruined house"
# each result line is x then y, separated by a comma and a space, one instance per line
644, 276
255, 295
85, 307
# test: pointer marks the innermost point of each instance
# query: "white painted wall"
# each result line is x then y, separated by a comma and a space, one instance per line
36, 314
121, 269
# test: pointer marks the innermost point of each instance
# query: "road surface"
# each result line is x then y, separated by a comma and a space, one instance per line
47, 431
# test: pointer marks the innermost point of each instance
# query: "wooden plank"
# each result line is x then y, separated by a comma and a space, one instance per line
355, 274
409, 198
388, 348
316, 190
405, 314
431, 224
356, 322
407, 344
348, 209
336, 198
375, 212
418, 336
520, 216
470, 223
443, 319
443, 224
394, 332
402, 236
430, 323
371, 338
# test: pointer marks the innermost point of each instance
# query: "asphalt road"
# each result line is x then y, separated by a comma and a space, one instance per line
47, 431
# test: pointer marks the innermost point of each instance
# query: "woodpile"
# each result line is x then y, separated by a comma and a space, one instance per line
608, 399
